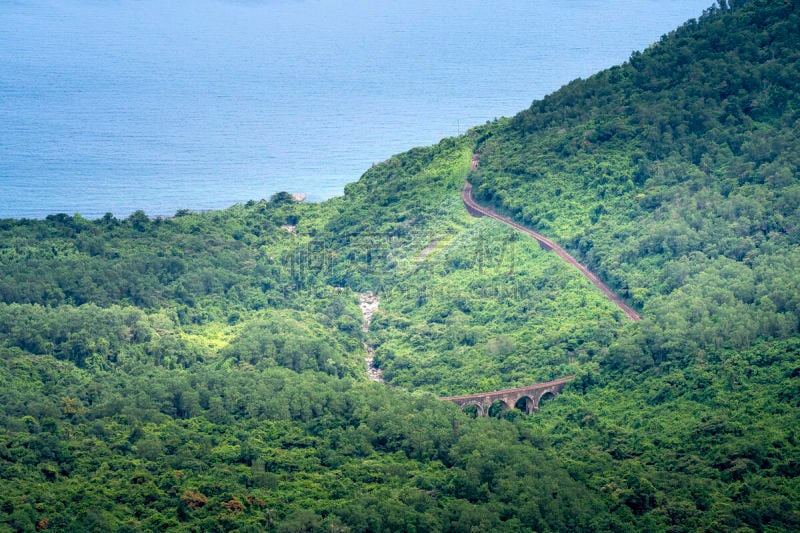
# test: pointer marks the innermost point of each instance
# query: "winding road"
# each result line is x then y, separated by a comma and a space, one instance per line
477, 210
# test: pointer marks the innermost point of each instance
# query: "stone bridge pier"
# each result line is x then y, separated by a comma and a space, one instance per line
509, 398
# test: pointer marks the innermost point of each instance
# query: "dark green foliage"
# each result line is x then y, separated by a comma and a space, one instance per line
675, 177
287, 343
205, 372
266, 449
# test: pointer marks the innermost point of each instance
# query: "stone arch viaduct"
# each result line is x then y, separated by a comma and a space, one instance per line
509, 398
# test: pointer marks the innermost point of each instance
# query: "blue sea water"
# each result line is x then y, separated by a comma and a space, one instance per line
119, 105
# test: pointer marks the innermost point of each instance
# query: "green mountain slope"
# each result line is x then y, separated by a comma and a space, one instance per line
675, 177
206, 372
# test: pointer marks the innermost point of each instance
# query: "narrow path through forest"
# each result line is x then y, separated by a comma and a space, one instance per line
475, 209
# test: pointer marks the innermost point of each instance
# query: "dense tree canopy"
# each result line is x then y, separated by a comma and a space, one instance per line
206, 372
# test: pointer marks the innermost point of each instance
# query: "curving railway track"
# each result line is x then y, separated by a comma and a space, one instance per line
476, 209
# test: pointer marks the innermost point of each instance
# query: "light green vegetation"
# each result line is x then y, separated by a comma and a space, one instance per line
206, 372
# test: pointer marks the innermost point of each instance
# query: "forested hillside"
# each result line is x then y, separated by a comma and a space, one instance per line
206, 372
675, 177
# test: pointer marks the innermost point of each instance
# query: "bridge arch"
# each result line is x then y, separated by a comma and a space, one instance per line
544, 397
479, 410
525, 404
497, 408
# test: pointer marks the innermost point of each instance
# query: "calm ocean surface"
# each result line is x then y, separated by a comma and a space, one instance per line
113, 106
